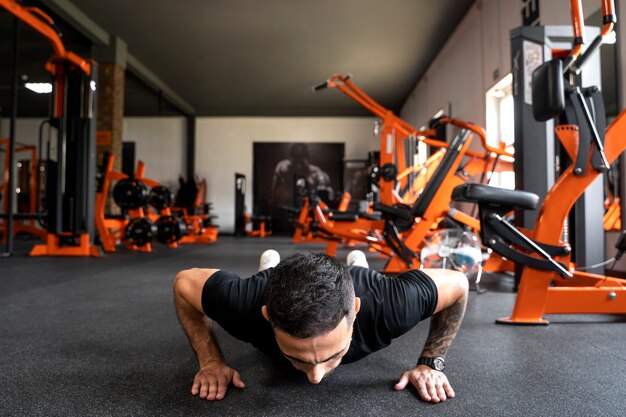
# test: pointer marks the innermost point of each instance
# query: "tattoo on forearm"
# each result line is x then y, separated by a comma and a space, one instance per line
443, 328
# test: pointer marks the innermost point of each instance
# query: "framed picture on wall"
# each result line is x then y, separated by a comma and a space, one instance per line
284, 171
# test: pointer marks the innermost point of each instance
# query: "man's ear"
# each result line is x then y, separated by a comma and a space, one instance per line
357, 305
264, 312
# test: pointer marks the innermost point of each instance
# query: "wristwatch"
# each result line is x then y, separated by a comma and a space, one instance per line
437, 363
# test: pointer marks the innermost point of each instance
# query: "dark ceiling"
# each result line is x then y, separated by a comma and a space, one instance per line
250, 57
33, 52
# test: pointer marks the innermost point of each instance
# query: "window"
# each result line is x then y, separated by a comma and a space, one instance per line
500, 125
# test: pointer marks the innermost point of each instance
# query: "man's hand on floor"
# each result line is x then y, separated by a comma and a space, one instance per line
431, 385
212, 380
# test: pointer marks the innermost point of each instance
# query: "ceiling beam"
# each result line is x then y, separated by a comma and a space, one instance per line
144, 74
99, 36
79, 20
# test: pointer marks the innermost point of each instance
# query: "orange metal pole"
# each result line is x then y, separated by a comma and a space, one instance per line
578, 23
33, 18
344, 202
609, 17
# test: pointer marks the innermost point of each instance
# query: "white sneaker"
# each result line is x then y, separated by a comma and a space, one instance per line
269, 259
357, 258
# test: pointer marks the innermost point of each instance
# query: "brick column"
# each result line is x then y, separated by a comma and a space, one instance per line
112, 65
110, 112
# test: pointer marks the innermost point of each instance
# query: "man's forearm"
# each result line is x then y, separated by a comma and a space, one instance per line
197, 327
443, 328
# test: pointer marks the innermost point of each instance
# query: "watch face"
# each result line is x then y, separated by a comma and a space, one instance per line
438, 364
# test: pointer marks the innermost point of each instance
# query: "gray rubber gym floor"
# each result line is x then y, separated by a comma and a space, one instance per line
99, 337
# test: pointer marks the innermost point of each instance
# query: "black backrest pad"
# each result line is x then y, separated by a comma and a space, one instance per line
422, 202
548, 90
495, 196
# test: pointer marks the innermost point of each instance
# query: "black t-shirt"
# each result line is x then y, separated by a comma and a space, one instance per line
389, 308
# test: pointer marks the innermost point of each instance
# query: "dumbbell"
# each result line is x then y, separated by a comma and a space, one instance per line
130, 193
140, 231
170, 229
160, 197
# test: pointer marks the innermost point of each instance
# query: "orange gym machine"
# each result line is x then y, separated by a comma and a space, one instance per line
70, 174
198, 227
402, 227
305, 225
195, 213
395, 131
401, 230
550, 282
393, 135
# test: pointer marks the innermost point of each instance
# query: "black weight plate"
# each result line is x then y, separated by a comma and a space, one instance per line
160, 197
130, 193
169, 229
140, 231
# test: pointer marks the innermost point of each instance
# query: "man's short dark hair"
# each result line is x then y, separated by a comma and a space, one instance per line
308, 295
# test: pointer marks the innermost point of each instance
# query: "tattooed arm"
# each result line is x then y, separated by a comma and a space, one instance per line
452, 290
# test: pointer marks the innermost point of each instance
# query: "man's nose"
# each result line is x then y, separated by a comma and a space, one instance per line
316, 374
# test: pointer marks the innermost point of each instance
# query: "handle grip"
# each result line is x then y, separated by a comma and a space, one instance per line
320, 86
582, 59
331, 82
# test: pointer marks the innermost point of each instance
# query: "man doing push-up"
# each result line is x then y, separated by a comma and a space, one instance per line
316, 313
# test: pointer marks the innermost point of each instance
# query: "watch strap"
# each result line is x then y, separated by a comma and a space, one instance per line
437, 363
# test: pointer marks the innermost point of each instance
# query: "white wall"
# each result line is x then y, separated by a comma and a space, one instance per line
464, 70
160, 143
26, 130
224, 146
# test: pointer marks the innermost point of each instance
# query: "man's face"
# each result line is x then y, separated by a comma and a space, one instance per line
316, 356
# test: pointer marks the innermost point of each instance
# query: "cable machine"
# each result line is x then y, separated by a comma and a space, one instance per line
70, 172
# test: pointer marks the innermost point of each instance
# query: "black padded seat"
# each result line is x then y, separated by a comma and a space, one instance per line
341, 216
481, 193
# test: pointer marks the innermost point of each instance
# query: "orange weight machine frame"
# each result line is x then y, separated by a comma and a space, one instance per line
22, 225
612, 219
550, 283
71, 175
426, 213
